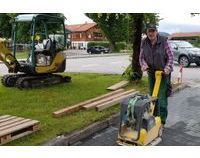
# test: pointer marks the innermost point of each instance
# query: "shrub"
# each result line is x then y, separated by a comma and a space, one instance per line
120, 46
104, 44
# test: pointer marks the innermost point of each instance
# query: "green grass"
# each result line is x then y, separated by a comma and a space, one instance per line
22, 55
39, 104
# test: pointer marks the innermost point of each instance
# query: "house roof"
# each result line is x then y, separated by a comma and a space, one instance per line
80, 27
185, 34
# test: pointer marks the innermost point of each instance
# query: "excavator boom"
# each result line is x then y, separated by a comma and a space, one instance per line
8, 59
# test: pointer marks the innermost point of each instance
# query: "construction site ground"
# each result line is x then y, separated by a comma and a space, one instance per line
182, 128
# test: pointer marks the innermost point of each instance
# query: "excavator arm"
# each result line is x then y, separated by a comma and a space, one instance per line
8, 59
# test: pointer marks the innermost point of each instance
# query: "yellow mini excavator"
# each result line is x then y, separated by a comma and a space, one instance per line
140, 123
45, 41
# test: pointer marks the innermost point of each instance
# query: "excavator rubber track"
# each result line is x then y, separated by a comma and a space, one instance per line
24, 81
10, 80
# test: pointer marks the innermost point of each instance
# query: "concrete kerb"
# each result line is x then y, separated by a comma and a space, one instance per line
93, 128
84, 133
180, 87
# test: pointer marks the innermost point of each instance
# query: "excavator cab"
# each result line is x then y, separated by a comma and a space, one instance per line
43, 38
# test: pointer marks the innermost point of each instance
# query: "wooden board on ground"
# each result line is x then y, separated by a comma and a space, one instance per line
118, 85
12, 127
79, 106
114, 101
107, 99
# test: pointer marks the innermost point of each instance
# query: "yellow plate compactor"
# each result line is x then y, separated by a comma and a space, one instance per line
140, 123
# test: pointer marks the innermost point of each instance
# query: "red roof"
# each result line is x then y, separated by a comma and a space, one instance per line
80, 27
185, 34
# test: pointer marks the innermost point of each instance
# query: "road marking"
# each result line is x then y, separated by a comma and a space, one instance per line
116, 62
90, 65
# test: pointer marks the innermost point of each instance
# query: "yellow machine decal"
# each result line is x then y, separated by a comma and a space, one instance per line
56, 64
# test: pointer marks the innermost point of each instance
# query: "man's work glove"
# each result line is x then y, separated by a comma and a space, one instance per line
167, 71
144, 68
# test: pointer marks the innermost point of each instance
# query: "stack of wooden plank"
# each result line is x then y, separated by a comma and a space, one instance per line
109, 101
100, 103
12, 127
118, 85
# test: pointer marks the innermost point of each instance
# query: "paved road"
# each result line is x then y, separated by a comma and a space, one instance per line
182, 128
114, 65
108, 65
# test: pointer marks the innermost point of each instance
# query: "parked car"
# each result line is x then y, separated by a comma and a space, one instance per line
185, 53
98, 50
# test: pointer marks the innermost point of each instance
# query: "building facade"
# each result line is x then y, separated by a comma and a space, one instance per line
81, 34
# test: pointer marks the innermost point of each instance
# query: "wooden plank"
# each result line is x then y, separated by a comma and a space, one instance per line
14, 124
36, 127
19, 127
67, 110
4, 116
7, 119
79, 106
118, 85
12, 127
8, 122
94, 104
21, 135
113, 102
5, 139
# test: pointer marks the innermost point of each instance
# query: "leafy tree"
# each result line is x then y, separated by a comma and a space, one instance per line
5, 26
7, 20
114, 26
131, 30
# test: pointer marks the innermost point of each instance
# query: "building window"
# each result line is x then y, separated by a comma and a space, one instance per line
98, 35
89, 36
73, 36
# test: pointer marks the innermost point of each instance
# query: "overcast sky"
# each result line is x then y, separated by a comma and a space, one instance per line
172, 22
76, 18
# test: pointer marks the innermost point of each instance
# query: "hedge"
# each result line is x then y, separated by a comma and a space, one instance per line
119, 45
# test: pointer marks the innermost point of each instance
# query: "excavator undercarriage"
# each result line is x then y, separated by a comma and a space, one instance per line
25, 81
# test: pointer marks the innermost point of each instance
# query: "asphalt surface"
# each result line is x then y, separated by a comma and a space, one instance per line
182, 127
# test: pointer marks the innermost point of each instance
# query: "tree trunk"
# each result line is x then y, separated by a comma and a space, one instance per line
137, 34
112, 45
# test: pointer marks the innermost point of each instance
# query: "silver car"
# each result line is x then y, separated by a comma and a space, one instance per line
185, 53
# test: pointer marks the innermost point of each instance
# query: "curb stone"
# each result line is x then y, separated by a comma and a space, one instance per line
93, 128
180, 87
84, 133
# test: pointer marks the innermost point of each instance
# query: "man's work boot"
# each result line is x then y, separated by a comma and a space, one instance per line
161, 130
